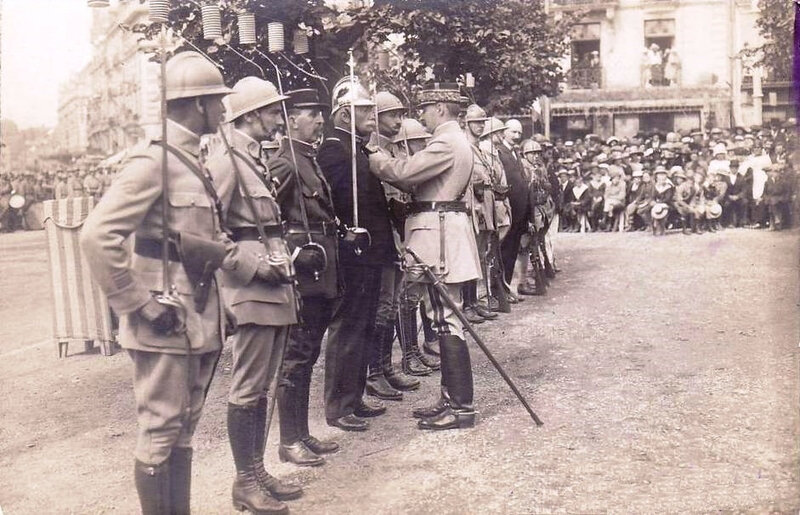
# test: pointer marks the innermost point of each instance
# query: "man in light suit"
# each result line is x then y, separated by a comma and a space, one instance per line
438, 229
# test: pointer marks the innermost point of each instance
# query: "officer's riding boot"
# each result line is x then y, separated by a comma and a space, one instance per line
377, 385
441, 404
301, 415
279, 490
457, 375
153, 487
180, 480
685, 226
469, 304
396, 378
248, 492
292, 449
414, 362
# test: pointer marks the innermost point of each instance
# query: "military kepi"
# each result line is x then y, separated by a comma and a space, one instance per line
306, 98
434, 92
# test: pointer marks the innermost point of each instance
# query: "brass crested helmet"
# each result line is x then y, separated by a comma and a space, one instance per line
348, 93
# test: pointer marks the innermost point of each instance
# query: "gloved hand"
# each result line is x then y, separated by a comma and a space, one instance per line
309, 259
163, 319
273, 271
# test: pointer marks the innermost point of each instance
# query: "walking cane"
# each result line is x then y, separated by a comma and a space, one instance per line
437, 284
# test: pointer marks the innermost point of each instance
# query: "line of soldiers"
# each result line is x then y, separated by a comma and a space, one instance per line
276, 253
694, 182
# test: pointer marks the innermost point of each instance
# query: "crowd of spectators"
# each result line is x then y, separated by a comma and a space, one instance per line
694, 181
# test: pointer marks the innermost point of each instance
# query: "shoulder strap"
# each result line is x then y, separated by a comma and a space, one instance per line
469, 179
204, 178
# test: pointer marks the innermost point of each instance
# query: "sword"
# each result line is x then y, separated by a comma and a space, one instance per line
437, 284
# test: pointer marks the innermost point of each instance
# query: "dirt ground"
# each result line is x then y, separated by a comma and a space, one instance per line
665, 370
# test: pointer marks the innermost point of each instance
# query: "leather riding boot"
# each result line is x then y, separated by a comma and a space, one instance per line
396, 378
457, 375
180, 480
153, 487
292, 448
313, 444
248, 492
431, 411
411, 360
377, 385
279, 490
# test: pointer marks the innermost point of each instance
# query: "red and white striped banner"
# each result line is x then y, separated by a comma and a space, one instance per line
81, 310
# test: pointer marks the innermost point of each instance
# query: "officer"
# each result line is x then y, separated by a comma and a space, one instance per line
390, 113
439, 177
318, 283
347, 353
263, 300
174, 338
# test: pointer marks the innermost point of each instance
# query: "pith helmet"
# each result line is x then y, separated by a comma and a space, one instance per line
249, 94
411, 129
491, 126
386, 102
347, 92
475, 113
189, 74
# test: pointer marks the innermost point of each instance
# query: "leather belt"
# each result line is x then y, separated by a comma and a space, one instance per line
324, 228
151, 248
251, 233
437, 206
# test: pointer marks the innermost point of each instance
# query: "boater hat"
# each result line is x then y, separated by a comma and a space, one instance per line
660, 211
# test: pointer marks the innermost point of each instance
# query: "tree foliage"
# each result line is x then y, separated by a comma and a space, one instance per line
776, 25
510, 46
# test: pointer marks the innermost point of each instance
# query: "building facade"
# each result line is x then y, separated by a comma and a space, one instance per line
646, 65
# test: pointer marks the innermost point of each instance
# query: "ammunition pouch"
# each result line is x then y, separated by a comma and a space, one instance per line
200, 258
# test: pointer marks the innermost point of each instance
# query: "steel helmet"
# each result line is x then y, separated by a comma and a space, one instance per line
385, 102
249, 94
189, 74
411, 129
346, 93
531, 146
475, 113
491, 126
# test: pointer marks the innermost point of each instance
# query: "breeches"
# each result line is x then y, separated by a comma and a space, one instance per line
170, 390
257, 352
443, 319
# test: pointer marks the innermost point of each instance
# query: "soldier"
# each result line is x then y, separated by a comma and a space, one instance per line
262, 301
347, 351
92, 187
390, 112
75, 184
439, 230
319, 288
542, 208
173, 337
484, 221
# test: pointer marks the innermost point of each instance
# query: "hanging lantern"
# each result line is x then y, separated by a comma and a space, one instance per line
159, 11
383, 60
247, 28
212, 21
275, 41
300, 42
98, 3
470, 80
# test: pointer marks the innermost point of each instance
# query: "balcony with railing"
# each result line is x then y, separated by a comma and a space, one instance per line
585, 77
581, 4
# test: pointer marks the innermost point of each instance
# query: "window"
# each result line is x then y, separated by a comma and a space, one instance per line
661, 64
585, 70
